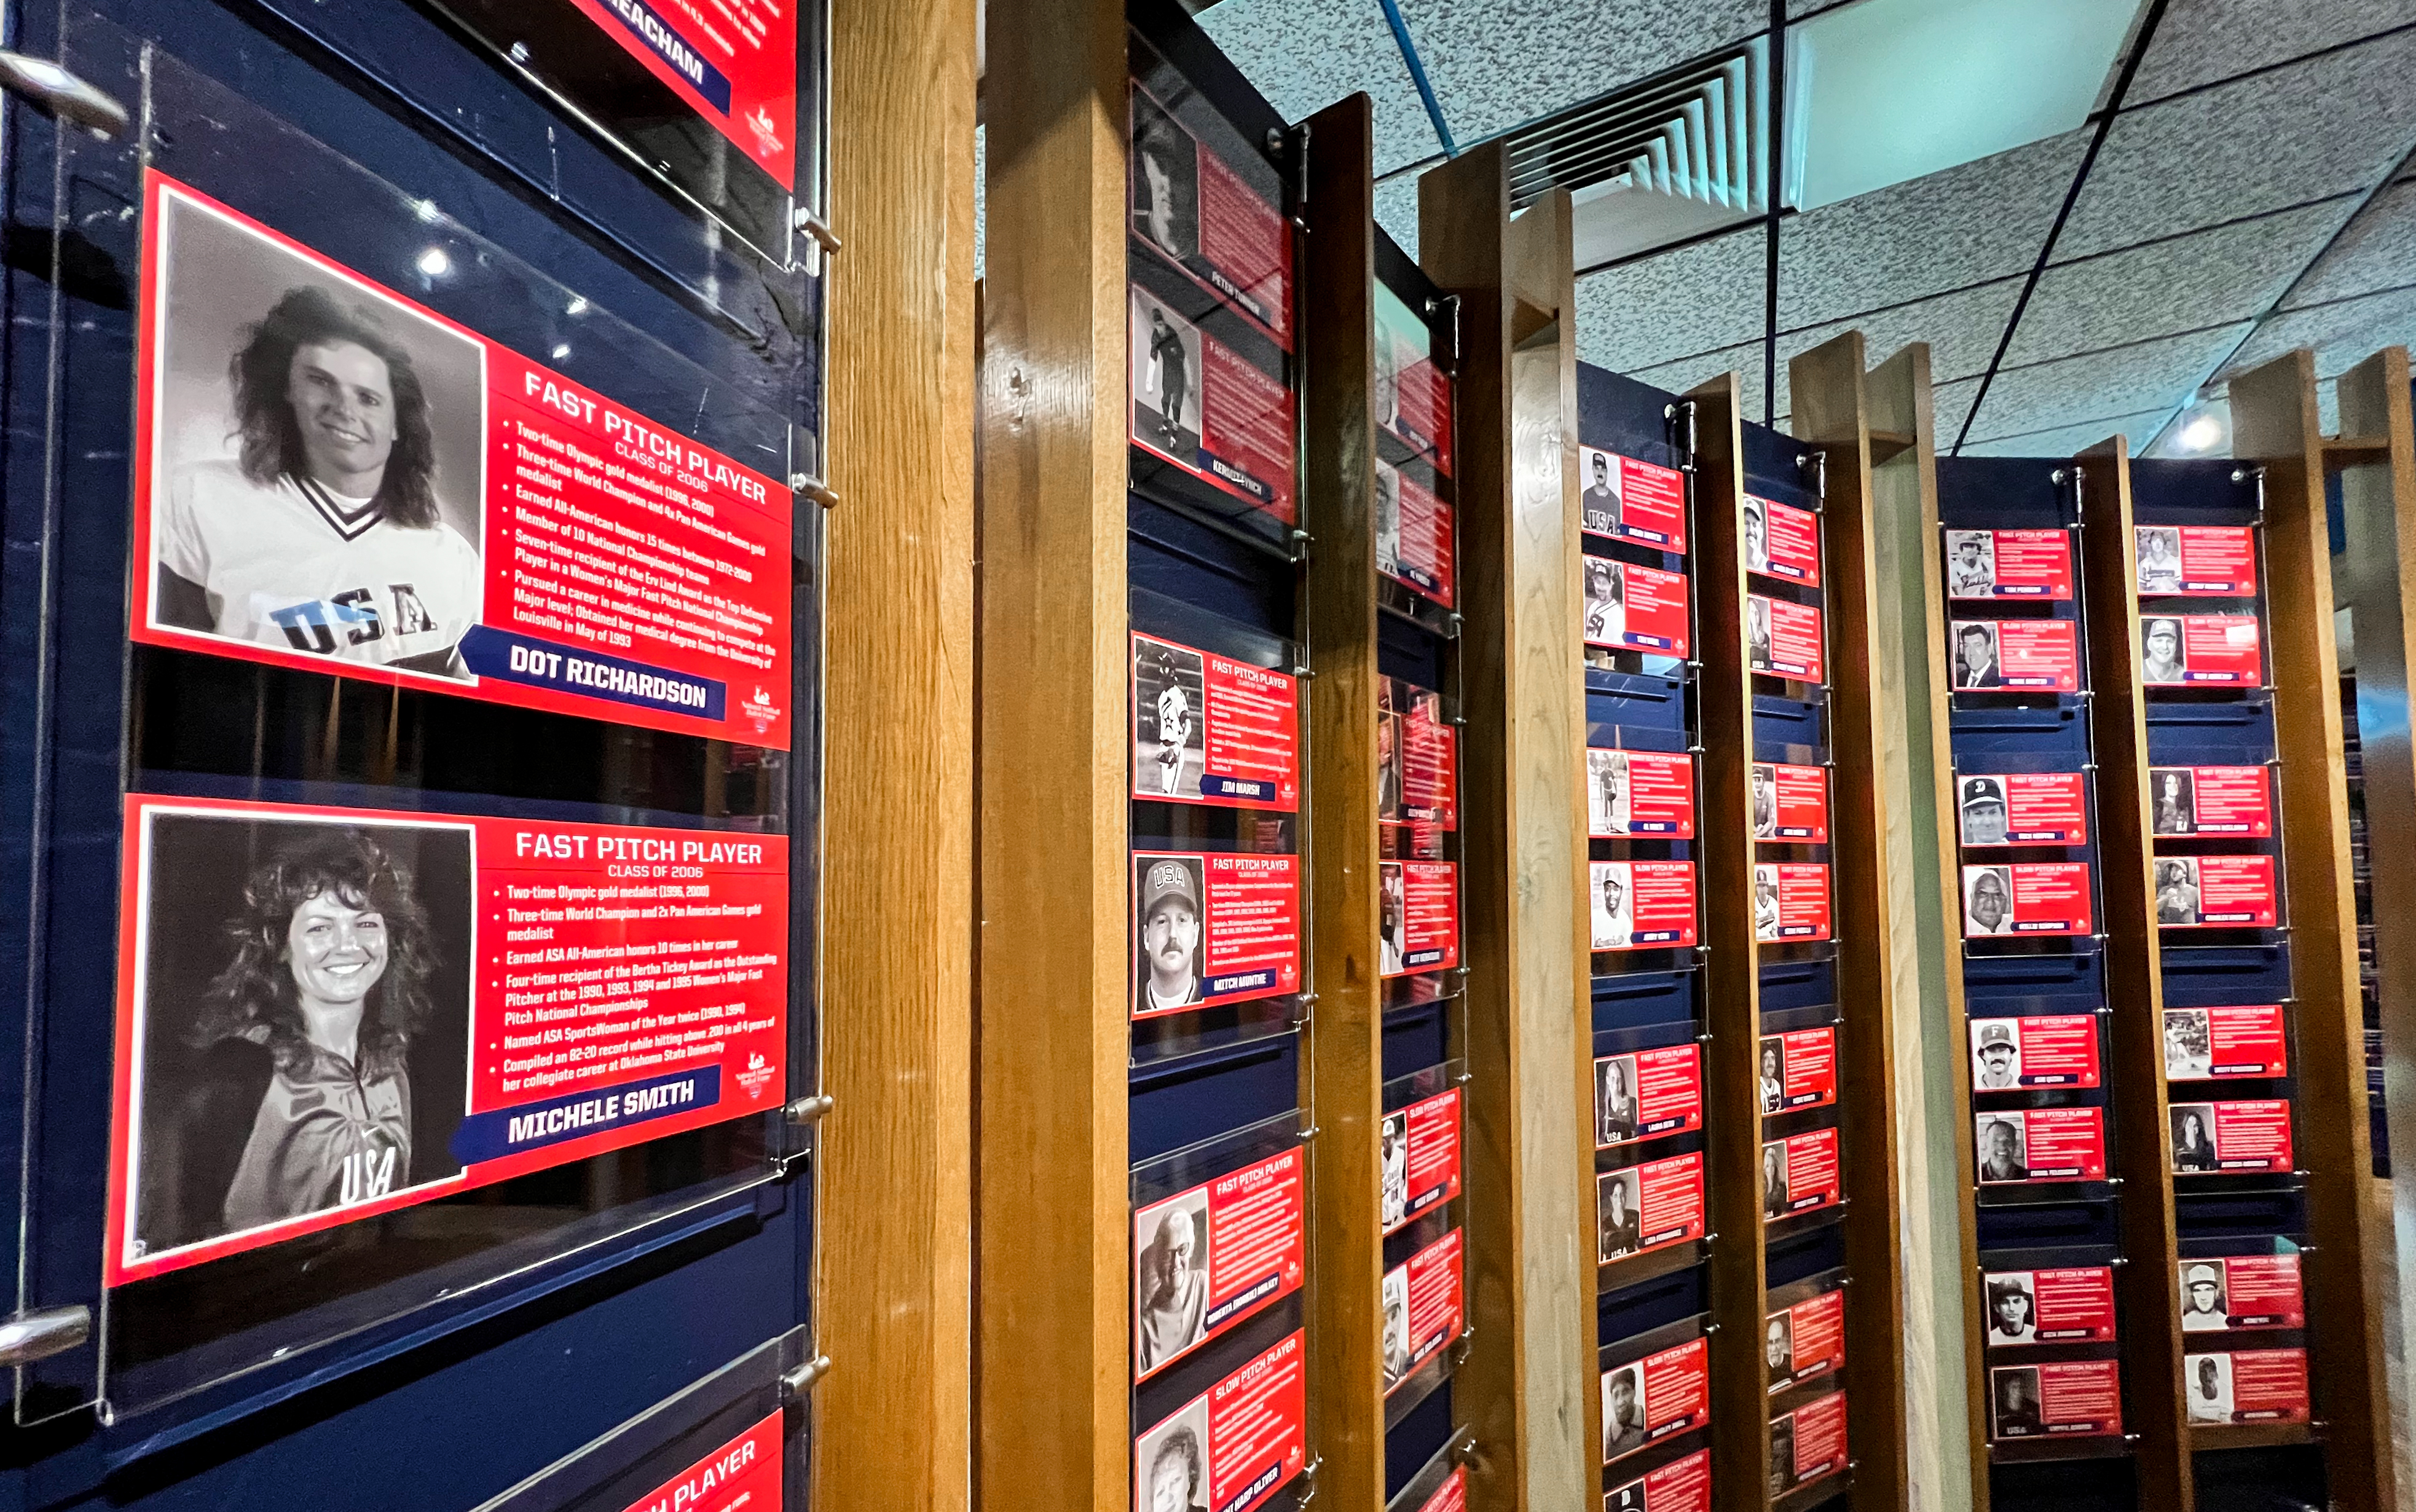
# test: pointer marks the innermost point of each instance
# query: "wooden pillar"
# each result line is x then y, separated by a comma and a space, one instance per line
893, 1164
1053, 1372
1529, 1384
2151, 1282
2377, 461
1346, 1030
1872, 876
1945, 1364
2274, 424
1732, 965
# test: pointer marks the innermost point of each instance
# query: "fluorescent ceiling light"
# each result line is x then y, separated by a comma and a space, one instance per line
1880, 92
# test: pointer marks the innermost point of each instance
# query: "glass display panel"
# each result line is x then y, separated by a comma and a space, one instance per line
1219, 1236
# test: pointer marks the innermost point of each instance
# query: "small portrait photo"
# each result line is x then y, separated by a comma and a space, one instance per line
2206, 1379
2005, 1148
1757, 535
1778, 1346
1388, 766
2012, 1308
1165, 376
1614, 1099
1393, 1160
1770, 1077
318, 447
1172, 1460
1397, 1326
1765, 902
1971, 564
1616, 1214
1983, 800
2014, 1401
1765, 801
2192, 1124
2189, 1044
1391, 355
1987, 900
1600, 502
2173, 793
301, 1013
1782, 1454
1996, 1056
1623, 1409
1170, 735
2161, 654
1975, 654
1392, 922
2206, 1302
1756, 632
1609, 800
1388, 517
1774, 1179
2177, 895
1170, 1278
1167, 934
1605, 600
1165, 181
1614, 911
2160, 558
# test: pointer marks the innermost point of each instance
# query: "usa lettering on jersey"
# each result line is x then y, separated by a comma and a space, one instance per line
314, 625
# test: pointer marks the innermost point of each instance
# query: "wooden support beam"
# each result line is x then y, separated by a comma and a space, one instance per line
1053, 1372
2151, 1316
1877, 932
893, 1166
1346, 1032
1528, 1388
2274, 426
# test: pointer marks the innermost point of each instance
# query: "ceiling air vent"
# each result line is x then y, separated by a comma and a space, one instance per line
1657, 162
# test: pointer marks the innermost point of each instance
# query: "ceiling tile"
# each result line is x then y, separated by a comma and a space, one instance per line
2200, 41
2377, 252
2210, 278
1496, 64
1306, 55
2125, 380
2066, 440
1967, 225
1676, 304
2342, 334
1676, 377
1396, 210
1962, 329
1949, 404
2332, 125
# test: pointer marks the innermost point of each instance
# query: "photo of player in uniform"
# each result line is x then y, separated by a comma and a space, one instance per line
1605, 600
2002, 1156
1614, 917
2013, 1308
2208, 1380
2189, 1044
1172, 1462
1614, 1099
1778, 1346
1757, 634
301, 1012
1774, 1179
1392, 910
1392, 1165
1765, 902
1975, 655
1984, 811
2192, 1136
1771, 1080
1765, 801
2014, 1394
2176, 800
1971, 564
1623, 1410
2204, 1304
1165, 376
1165, 181
1996, 1056
1397, 1346
1388, 519
317, 479
1620, 1227
1607, 795
1600, 503
1170, 736
2160, 558
1170, 919
1169, 1278
1388, 761
1782, 1455
2160, 651
2177, 895
1987, 900
1756, 537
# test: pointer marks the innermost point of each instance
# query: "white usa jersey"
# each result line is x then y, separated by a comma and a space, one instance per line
300, 569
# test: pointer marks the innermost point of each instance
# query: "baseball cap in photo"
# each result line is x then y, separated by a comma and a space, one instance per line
1165, 880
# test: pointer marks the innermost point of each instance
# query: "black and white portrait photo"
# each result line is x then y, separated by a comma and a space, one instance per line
1172, 1460
1996, 1056
317, 480
2014, 1401
2162, 656
1392, 919
1623, 1410
1598, 475
2172, 792
1605, 600
1984, 811
1757, 535
1765, 801
2206, 1380
1756, 632
1165, 181
2160, 558
2177, 894
1987, 900
1170, 735
1975, 654
2193, 1126
1778, 1347
1388, 763
1774, 1179
1782, 1454
1615, 1214
2013, 1308
1168, 919
1608, 799
1770, 1075
1614, 1099
1393, 1163
2189, 1044
1388, 517
1165, 355
302, 1012
1397, 1346
2205, 1301
1614, 908
1169, 1278
1765, 902
2003, 1147
1971, 564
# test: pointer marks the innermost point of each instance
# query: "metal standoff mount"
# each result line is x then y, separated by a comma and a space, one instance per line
806, 1112
62, 96
796, 1383
29, 1337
